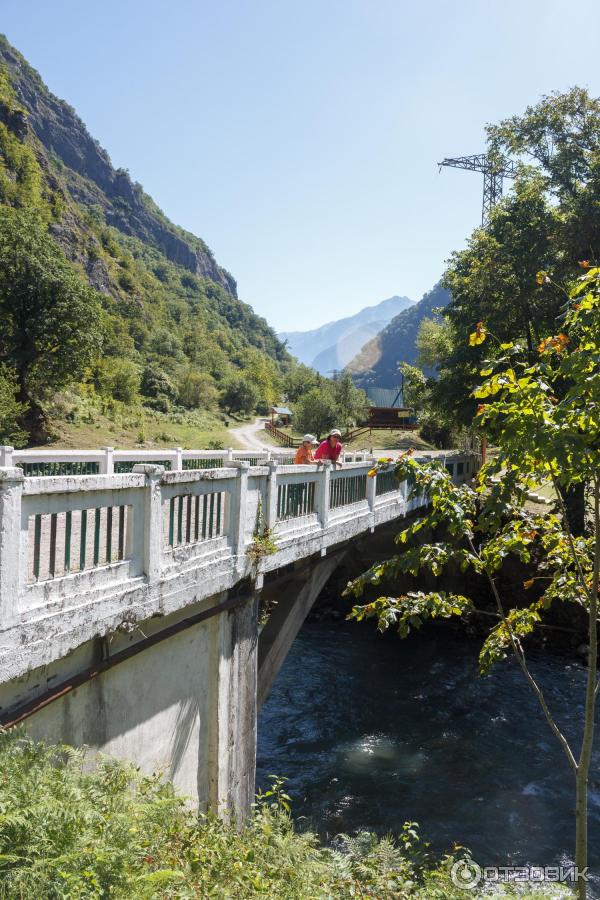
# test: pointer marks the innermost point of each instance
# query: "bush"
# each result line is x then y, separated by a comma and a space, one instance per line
158, 404
10, 410
70, 831
155, 383
119, 379
197, 390
239, 396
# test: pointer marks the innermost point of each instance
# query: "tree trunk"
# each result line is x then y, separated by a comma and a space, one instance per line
583, 766
574, 500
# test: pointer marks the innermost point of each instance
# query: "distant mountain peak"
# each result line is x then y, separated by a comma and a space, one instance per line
376, 364
333, 345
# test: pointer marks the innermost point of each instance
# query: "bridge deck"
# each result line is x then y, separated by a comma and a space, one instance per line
84, 555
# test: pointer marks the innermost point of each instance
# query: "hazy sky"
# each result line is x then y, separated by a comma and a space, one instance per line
300, 139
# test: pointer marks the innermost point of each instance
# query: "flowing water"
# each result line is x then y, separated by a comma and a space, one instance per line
372, 731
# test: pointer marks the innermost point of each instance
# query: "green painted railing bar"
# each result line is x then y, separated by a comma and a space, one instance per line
180, 520
171, 521
52, 560
197, 518
211, 515
386, 482
347, 490
121, 551
295, 500
218, 513
97, 513
124, 468
109, 527
83, 539
216, 463
188, 520
68, 529
41, 469
37, 541
204, 515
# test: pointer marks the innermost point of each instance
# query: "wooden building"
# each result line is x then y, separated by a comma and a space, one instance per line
386, 410
281, 414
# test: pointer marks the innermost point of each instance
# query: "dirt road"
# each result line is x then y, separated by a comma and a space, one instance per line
250, 436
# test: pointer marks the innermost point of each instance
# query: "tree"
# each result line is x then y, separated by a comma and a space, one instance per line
10, 410
118, 378
299, 380
51, 318
197, 390
350, 400
239, 396
434, 342
545, 418
414, 386
155, 383
550, 221
316, 412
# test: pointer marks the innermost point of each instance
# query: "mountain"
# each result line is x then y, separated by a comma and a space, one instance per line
333, 345
377, 363
168, 303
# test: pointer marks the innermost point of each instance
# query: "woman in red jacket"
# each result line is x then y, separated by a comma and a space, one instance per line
330, 448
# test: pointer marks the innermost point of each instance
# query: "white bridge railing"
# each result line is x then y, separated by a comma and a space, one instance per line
78, 553
108, 461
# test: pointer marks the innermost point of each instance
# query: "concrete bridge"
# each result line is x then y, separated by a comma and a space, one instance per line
130, 604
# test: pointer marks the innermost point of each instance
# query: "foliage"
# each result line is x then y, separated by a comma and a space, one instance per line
550, 221
316, 412
545, 418
154, 383
434, 342
239, 396
160, 315
299, 380
197, 390
118, 378
51, 318
10, 410
69, 829
350, 400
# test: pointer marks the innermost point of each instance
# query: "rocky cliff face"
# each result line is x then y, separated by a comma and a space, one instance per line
92, 181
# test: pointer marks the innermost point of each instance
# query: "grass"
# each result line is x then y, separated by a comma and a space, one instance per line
124, 427
384, 439
70, 829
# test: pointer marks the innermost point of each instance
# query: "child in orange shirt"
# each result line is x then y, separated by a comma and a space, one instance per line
304, 453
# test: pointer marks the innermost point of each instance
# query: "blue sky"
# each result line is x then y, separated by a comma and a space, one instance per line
300, 139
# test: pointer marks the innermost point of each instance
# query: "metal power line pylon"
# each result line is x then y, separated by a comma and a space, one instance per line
494, 169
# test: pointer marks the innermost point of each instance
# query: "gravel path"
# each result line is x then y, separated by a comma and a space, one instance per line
249, 435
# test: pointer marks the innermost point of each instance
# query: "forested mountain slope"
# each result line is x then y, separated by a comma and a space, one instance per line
377, 363
170, 311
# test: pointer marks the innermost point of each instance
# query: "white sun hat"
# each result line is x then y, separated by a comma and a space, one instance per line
309, 439
335, 432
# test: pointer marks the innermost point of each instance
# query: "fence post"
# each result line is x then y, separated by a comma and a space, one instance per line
11, 491
271, 510
371, 492
238, 506
152, 524
324, 494
178, 464
6, 453
229, 454
107, 465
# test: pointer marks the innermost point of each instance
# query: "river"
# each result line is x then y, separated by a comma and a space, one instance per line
372, 731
